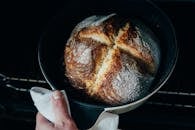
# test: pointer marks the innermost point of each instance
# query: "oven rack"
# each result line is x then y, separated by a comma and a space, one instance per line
150, 102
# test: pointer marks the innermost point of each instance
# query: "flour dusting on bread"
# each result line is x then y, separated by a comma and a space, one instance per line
112, 61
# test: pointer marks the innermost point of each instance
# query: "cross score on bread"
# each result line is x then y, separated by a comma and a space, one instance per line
107, 58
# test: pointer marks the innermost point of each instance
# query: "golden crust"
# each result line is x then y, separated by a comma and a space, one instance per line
95, 33
93, 58
125, 41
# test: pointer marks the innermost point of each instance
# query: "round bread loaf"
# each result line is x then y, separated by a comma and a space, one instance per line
112, 59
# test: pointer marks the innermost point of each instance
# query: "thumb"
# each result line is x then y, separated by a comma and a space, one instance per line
60, 108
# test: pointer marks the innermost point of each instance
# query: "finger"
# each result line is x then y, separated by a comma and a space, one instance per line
60, 108
42, 123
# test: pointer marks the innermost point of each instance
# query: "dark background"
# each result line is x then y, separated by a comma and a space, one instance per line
21, 25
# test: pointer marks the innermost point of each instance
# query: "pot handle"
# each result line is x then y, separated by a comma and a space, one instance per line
41, 98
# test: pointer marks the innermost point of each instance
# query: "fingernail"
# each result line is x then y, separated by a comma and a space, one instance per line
56, 95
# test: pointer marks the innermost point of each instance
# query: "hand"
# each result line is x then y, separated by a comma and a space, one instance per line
63, 121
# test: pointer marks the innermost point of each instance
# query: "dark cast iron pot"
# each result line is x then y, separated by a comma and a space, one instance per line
52, 43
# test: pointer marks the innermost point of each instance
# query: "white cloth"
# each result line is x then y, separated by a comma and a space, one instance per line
41, 98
